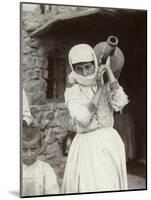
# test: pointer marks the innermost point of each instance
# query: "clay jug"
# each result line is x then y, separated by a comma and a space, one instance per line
109, 48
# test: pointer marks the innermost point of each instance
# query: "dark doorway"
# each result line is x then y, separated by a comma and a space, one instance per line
129, 26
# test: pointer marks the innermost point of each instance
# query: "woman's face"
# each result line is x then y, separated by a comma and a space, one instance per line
84, 69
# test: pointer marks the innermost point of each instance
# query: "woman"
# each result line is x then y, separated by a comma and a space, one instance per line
96, 160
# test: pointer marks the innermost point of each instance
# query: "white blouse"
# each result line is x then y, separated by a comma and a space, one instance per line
39, 179
77, 97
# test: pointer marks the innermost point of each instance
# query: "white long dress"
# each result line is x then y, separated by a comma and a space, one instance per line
96, 160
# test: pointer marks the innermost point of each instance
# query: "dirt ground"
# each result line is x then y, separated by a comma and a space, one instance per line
136, 182
136, 175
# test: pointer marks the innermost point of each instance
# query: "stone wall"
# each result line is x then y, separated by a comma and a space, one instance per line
33, 62
34, 51
52, 118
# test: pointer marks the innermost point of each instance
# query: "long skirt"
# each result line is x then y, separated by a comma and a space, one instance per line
96, 162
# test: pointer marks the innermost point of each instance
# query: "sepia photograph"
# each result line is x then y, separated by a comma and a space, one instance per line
83, 94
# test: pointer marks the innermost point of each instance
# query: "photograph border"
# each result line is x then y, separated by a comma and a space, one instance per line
21, 100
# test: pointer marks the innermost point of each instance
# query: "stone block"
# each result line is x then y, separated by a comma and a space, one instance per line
45, 62
45, 74
34, 43
34, 55
61, 105
40, 52
27, 41
59, 137
52, 150
45, 108
52, 106
44, 124
54, 123
31, 26
34, 109
54, 154
38, 98
35, 123
49, 115
27, 49
41, 62
57, 130
36, 85
28, 74
64, 119
25, 34
39, 117
27, 61
38, 73
50, 136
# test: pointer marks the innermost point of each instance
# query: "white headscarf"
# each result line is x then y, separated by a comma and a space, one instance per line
82, 53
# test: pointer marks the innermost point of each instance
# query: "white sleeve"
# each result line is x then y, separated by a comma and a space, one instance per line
26, 110
77, 109
117, 97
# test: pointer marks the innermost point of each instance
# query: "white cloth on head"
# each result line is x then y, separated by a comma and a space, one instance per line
82, 53
26, 110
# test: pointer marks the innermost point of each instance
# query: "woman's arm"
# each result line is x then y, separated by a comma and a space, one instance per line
93, 104
117, 97
80, 111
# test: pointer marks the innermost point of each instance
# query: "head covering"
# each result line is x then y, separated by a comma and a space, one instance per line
82, 53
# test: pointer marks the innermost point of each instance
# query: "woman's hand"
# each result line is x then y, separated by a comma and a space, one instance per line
101, 70
100, 80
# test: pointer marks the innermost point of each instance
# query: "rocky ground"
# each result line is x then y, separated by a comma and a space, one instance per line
136, 174
136, 182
